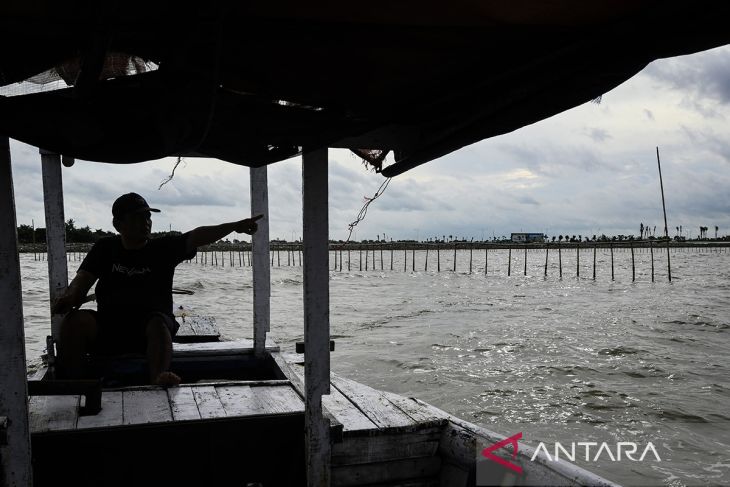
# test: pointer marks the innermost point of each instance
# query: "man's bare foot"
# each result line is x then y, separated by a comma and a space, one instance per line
167, 379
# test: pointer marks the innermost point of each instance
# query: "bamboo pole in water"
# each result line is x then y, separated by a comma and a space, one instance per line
486, 260
381, 257
664, 207
454, 257
651, 249
438, 258
471, 256
560, 261
611, 246
405, 259
413, 259
509, 262
546, 259
425, 265
633, 267
594, 262
577, 261
525, 273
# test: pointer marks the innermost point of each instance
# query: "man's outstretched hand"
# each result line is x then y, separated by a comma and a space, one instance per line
248, 225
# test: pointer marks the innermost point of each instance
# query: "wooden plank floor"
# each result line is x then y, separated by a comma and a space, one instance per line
362, 410
148, 405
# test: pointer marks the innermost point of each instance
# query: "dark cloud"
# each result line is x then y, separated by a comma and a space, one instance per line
598, 135
528, 200
704, 77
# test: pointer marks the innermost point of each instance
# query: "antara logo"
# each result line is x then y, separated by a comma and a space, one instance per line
130, 271
628, 448
512, 440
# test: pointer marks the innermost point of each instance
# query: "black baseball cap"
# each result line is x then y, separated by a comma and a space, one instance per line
130, 203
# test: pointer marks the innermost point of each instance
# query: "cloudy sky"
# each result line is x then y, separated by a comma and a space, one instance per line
590, 170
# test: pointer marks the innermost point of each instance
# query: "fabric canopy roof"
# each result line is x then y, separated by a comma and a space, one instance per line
255, 82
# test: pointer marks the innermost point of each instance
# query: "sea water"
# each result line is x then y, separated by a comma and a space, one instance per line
559, 360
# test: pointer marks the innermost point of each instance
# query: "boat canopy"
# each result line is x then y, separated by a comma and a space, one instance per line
254, 82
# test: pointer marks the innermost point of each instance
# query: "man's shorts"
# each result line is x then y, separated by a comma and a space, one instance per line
118, 334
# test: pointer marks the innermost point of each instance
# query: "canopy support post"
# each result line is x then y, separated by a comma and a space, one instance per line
260, 259
55, 232
15, 457
316, 314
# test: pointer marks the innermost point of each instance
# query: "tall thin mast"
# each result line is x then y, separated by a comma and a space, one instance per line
664, 207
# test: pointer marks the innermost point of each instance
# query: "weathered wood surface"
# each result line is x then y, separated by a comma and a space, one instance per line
315, 232
209, 404
233, 347
182, 403
373, 403
394, 471
55, 231
197, 329
287, 367
111, 414
383, 448
141, 407
259, 189
339, 406
152, 404
15, 456
53, 413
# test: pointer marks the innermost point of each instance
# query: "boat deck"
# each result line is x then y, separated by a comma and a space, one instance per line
378, 437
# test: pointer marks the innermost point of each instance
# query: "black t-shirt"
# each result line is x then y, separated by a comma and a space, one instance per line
135, 281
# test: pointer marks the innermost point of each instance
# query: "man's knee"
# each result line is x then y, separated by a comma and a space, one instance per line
78, 323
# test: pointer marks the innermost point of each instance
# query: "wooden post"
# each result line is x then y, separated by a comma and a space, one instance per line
594, 262
260, 259
560, 261
486, 261
366, 258
438, 258
664, 208
316, 315
15, 457
611, 246
55, 232
413, 259
546, 259
348, 260
509, 262
381, 257
471, 256
651, 249
391, 256
360, 259
577, 261
454, 256
425, 265
633, 267
405, 259
525, 260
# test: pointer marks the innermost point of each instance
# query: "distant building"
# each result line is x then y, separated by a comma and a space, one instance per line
527, 237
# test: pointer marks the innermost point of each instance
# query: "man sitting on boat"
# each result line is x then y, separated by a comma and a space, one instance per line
134, 293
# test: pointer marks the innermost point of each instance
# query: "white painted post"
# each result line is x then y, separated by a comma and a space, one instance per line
15, 458
260, 259
316, 314
55, 232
